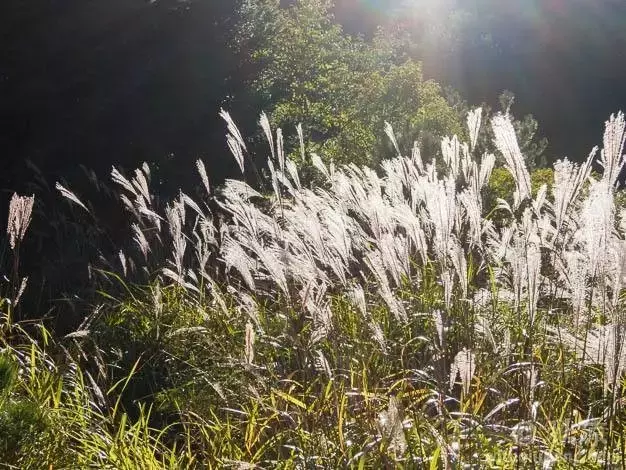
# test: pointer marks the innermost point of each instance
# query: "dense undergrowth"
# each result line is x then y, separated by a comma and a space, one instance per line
395, 319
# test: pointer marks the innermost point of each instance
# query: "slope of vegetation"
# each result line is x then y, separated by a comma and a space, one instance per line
391, 318
301, 66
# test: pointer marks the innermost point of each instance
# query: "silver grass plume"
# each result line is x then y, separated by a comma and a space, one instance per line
250, 219
176, 218
378, 335
322, 322
292, 170
483, 299
568, 183
20, 212
403, 216
120, 179
464, 367
482, 326
232, 128
285, 181
506, 142
390, 423
395, 256
236, 257
447, 284
236, 150
357, 297
532, 274
468, 165
322, 364
439, 327
377, 268
314, 300
192, 204
540, 199
451, 150
597, 216
301, 141
140, 240
319, 165
248, 306
123, 262
486, 166
524, 263
234, 140
217, 297
474, 118
472, 205
267, 129
20, 291
457, 256
250, 339
273, 264
140, 183
238, 190
392, 137
280, 150
441, 205
138, 189
274, 178
617, 270
67, 194
573, 269
416, 157
203, 175
611, 157
204, 234
146, 169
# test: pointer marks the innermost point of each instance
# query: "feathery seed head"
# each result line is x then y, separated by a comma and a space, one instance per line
20, 212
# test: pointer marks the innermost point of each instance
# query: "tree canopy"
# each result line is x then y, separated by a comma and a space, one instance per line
341, 87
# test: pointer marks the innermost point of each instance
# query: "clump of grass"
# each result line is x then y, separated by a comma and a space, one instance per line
377, 319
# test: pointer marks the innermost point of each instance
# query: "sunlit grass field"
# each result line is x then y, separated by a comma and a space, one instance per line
397, 317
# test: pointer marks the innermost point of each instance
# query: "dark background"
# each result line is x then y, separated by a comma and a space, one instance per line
99, 82
103, 82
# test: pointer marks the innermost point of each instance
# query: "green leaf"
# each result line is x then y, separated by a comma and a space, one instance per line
290, 399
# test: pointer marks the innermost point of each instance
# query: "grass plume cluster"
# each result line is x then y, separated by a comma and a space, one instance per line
362, 318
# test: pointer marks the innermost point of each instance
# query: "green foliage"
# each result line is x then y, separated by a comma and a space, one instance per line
21, 424
502, 185
540, 177
343, 88
620, 199
320, 406
8, 375
180, 347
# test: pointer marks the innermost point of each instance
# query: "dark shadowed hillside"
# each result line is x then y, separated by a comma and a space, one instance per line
102, 82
